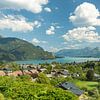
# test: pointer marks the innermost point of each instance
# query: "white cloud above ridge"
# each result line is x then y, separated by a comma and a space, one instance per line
35, 6
82, 34
35, 41
53, 49
17, 23
86, 14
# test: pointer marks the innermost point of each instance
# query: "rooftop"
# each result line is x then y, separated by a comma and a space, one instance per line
71, 87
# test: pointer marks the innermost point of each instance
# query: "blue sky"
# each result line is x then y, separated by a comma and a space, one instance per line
52, 24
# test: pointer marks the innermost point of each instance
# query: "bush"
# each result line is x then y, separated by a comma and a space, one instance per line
19, 89
90, 75
1, 97
42, 78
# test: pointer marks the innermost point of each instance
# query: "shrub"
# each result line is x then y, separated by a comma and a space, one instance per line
1, 96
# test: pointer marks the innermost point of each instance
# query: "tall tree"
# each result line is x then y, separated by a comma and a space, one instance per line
90, 75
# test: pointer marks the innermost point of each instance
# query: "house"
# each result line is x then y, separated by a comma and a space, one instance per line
58, 73
42, 69
2, 73
74, 75
96, 76
17, 73
64, 73
55, 73
7, 71
33, 73
71, 87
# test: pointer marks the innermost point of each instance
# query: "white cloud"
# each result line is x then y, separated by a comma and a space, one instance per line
70, 46
17, 23
53, 49
51, 30
47, 9
34, 6
82, 34
56, 25
86, 14
91, 28
37, 42
74, 46
36, 24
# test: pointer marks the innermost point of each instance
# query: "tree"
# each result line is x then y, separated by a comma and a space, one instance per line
90, 75
42, 78
49, 68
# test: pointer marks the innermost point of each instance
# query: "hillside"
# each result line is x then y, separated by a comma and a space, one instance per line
12, 49
86, 52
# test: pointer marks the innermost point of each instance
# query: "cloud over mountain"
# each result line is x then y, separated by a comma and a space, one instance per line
35, 41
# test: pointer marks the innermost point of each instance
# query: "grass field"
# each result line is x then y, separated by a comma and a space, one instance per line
86, 84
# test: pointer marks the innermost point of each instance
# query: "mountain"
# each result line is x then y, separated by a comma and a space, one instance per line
86, 52
12, 49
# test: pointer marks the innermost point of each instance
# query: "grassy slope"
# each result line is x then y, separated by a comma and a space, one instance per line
87, 84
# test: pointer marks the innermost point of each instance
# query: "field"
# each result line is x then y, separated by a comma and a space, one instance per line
87, 84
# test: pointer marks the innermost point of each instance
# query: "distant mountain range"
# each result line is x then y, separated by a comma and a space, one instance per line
14, 49
86, 52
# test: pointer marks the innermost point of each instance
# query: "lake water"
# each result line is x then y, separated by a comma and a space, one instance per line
60, 60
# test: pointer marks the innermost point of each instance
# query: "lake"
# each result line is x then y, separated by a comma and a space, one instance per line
59, 60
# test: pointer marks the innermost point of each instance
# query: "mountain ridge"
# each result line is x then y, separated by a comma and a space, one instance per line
85, 52
12, 49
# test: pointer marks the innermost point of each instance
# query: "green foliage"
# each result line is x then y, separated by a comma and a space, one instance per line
24, 77
13, 66
71, 69
57, 94
89, 65
18, 89
90, 75
56, 80
13, 49
99, 87
1, 96
82, 77
42, 78
86, 85
49, 68
22, 87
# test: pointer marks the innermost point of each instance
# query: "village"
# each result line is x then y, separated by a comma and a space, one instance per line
53, 72
34, 70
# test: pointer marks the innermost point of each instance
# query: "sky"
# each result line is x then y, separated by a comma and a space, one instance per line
52, 24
